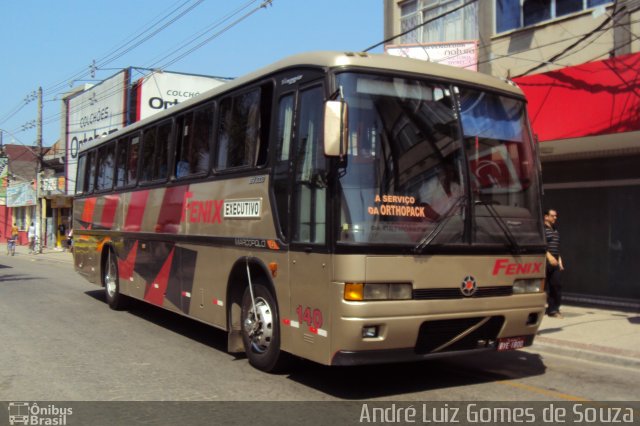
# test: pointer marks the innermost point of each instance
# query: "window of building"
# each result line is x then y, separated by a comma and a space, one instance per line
455, 26
514, 14
23, 216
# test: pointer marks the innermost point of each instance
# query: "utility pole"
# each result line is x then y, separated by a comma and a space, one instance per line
41, 211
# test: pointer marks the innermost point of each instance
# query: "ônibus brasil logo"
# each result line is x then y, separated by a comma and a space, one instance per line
27, 413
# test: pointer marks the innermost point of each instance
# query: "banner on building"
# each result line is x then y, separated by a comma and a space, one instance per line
21, 195
161, 90
93, 114
61, 202
108, 107
461, 54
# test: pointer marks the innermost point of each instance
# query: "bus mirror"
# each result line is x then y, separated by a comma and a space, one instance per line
335, 128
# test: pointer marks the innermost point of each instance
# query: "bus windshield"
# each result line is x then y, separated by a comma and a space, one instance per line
422, 156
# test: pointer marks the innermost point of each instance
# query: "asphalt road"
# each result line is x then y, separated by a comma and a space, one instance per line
60, 341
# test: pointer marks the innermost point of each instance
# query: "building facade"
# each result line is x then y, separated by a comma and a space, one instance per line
578, 62
18, 206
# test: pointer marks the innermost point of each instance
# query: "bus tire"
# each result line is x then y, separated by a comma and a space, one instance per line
261, 333
111, 282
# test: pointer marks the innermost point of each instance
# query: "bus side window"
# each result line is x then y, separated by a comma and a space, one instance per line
184, 123
121, 163
194, 142
310, 163
132, 160
105, 167
202, 132
281, 170
91, 172
161, 167
266, 101
81, 174
238, 131
148, 150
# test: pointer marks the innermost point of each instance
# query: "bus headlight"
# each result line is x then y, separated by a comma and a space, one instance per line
377, 291
530, 285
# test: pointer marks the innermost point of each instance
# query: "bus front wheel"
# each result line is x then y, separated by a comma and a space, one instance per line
261, 329
111, 282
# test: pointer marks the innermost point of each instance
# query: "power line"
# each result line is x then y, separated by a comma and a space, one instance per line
263, 5
191, 50
116, 90
601, 29
130, 44
199, 34
149, 36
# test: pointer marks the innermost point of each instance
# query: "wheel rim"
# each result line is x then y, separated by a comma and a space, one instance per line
110, 276
259, 328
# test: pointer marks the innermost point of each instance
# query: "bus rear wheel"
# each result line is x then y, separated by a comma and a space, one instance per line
111, 282
261, 329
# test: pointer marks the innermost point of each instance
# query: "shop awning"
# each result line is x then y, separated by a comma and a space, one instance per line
596, 98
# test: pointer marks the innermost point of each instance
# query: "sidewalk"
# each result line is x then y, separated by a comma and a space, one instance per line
57, 255
594, 334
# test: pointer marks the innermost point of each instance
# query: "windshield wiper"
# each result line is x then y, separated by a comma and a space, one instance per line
428, 239
516, 249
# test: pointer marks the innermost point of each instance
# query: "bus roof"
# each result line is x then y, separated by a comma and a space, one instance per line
336, 60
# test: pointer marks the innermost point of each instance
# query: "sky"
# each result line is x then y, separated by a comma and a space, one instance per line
52, 44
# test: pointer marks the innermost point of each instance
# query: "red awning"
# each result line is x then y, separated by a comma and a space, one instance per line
595, 98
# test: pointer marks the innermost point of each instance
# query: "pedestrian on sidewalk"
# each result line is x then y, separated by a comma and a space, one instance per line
554, 264
31, 234
70, 240
15, 232
13, 240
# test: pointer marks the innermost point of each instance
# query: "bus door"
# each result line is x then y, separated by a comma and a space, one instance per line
300, 184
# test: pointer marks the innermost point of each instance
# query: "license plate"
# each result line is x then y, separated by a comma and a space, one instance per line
510, 343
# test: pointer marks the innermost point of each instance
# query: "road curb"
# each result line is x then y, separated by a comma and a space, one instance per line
618, 357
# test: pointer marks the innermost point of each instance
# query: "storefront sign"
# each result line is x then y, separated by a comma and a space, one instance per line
21, 195
93, 114
461, 54
161, 90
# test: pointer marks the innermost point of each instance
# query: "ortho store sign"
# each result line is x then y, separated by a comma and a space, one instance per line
461, 54
92, 114
161, 90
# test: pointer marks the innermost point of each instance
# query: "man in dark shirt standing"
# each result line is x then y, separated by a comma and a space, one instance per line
554, 264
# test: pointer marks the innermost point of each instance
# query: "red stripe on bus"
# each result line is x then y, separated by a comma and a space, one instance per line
125, 267
171, 209
87, 211
135, 213
109, 210
157, 288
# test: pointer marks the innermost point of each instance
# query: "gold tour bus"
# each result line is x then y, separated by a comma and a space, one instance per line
345, 208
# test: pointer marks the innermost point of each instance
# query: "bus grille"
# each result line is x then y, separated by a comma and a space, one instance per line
454, 293
434, 334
